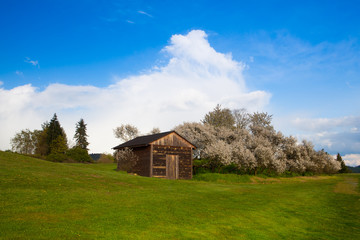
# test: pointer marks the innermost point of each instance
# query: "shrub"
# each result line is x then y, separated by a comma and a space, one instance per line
56, 157
77, 154
231, 168
126, 160
106, 158
200, 166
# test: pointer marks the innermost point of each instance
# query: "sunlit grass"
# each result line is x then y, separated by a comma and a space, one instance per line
45, 200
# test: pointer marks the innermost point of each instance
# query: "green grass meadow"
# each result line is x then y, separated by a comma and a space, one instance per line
46, 200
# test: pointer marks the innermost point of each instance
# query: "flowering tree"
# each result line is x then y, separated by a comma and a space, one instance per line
250, 142
126, 159
126, 132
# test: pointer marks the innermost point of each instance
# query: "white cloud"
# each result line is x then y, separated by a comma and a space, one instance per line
19, 73
145, 13
322, 124
1, 83
333, 134
195, 79
352, 160
354, 130
128, 21
35, 63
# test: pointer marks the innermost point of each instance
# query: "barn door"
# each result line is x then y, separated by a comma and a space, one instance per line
172, 166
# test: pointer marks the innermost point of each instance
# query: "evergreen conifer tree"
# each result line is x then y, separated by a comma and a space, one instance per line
80, 135
344, 168
54, 130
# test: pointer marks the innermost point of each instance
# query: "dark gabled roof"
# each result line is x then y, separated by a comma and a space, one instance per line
143, 140
95, 156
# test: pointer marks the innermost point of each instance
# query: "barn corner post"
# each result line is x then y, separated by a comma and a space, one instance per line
151, 160
192, 164
117, 159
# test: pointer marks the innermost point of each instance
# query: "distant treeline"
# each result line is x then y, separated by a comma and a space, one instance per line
354, 169
51, 142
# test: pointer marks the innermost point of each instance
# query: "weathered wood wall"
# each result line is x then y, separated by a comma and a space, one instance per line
142, 167
185, 160
172, 140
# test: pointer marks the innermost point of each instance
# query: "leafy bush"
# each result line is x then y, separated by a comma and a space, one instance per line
77, 154
200, 166
231, 168
56, 157
106, 158
126, 159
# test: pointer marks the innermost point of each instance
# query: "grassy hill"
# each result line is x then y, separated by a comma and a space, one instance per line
45, 200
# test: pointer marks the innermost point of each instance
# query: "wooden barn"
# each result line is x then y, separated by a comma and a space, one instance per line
162, 155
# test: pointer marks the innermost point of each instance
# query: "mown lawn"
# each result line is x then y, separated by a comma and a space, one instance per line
45, 200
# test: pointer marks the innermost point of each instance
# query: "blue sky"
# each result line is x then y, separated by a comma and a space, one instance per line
299, 61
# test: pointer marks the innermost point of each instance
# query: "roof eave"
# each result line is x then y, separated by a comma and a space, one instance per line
134, 146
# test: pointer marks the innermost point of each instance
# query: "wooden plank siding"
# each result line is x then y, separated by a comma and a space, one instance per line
142, 167
163, 155
172, 166
185, 160
173, 139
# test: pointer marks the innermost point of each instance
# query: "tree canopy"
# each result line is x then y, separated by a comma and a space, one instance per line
51, 142
55, 135
344, 168
219, 117
250, 144
126, 132
24, 142
81, 135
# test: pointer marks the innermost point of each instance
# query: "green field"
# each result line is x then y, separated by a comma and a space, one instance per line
45, 200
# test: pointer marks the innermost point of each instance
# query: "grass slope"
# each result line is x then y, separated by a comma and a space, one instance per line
45, 200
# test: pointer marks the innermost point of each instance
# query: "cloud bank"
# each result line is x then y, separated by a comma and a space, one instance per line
352, 160
194, 80
333, 134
